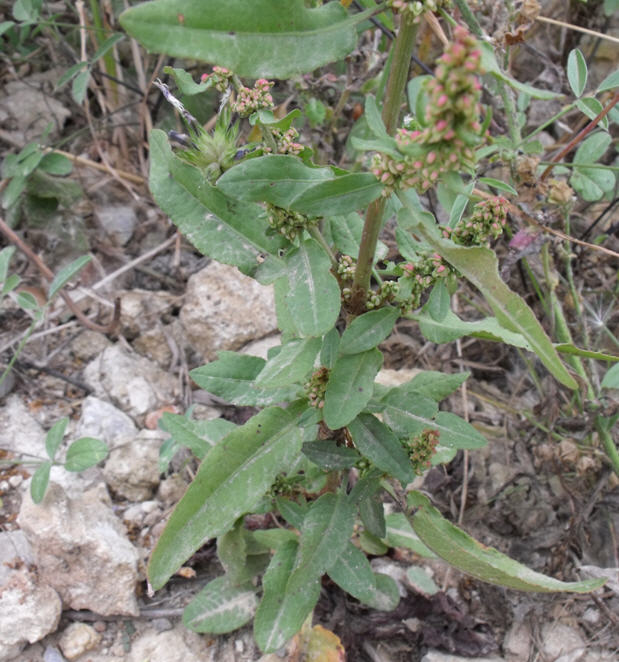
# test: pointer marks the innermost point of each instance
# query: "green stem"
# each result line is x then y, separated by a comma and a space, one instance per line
398, 76
317, 235
511, 113
608, 443
469, 18
541, 127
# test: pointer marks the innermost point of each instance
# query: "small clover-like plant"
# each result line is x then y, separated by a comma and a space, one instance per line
330, 443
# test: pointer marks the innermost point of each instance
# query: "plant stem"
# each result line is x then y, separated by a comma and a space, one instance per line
398, 76
607, 442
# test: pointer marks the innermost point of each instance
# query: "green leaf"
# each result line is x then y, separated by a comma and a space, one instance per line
463, 552
231, 377
373, 118
39, 482
457, 433
408, 414
577, 72
293, 512
439, 302
611, 81
328, 455
611, 378
371, 544
85, 453
264, 38
314, 295
227, 230
368, 330
27, 301
12, 192
592, 148
387, 594
234, 555
372, 514
107, 45
56, 164
352, 573
10, 284
379, 444
435, 385
198, 436
491, 66
480, 266
79, 86
274, 538
5, 258
285, 181
421, 581
346, 232
568, 348
220, 607
66, 273
591, 107
185, 82
350, 387
592, 183
233, 477
498, 185
281, 612
330, 348
54, 437
400, 533
315, 111
70, 73
291, 364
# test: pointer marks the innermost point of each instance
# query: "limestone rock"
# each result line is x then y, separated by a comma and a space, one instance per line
81, 550
224, 310
77, 639
132, 469
177, 645
117, 221
562, 643
103, 421
131, 381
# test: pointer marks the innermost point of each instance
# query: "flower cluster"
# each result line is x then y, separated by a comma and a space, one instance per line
288, 223
219, 78
286, 141
385, 294
346, 268
485, 223
421, 448
421, 275
316, 387
451, 124
415, 8
249, 100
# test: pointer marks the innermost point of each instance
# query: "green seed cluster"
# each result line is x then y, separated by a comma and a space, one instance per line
385, 294
452, 127
421, 448
346, 268
286, 141
421, 275
288, 223
220, 78
415, 8
487, 222
316, 387
249, 100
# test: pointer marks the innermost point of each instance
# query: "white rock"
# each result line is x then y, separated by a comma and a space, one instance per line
517, 643
224, 309
142, 309
177, 645
117, 221
133, 382
81, 550
19, 430
77, 639
390, 378
132, 469
16, 480
29, 608
562, 643
261, 347
103, 421
595, 572
438, 656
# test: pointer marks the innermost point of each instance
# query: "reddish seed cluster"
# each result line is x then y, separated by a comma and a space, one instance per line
286, 141
421, 448
487, 222
249, 100
452, 125
219, 77
423, 274
316, 387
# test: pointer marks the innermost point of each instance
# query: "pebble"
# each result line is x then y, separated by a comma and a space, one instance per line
77, 639
16, 480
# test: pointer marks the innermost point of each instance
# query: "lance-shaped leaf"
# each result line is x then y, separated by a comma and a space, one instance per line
346, 232
231, 377
198, 436
368, 330
281, 612
352, 573
232, 478
480, 266
350, 387
220, 607
328, 455
291, 364
400, 533
285, 181
486, 563
379, 444
433, 384
271, 38
313, 299
230, 231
